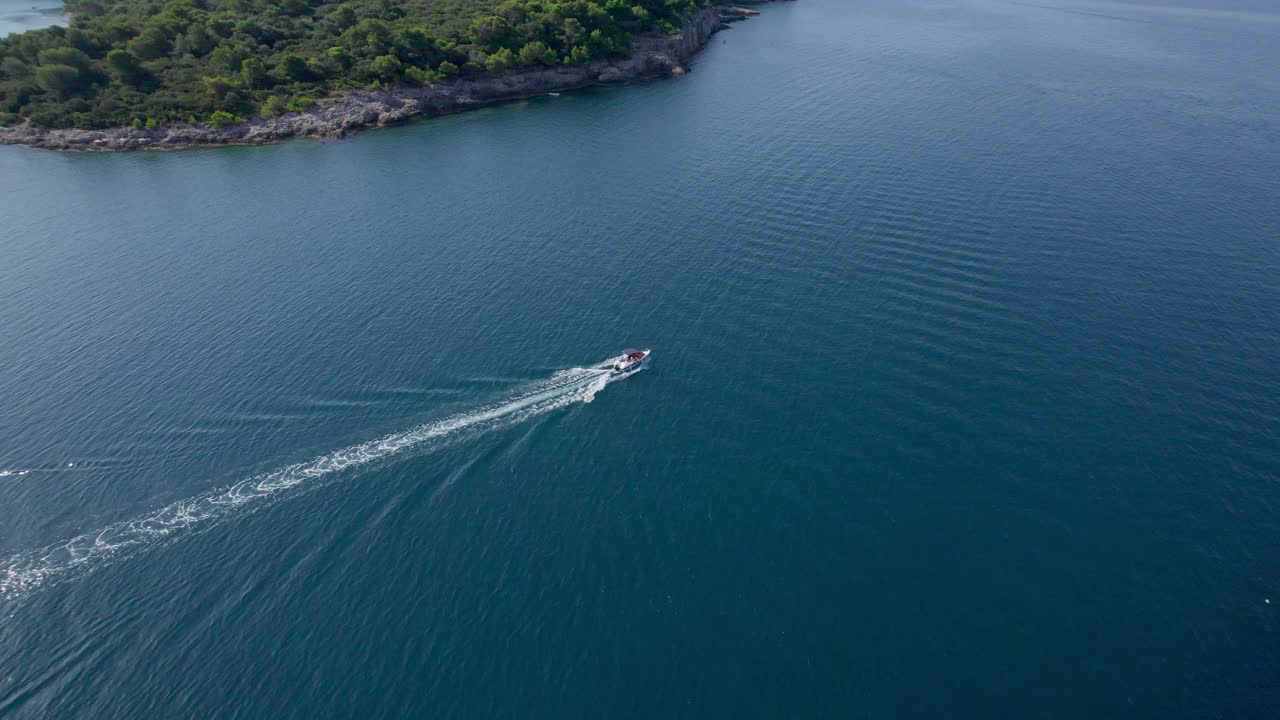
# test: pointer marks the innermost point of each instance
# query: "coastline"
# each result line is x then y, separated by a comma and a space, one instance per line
359, 110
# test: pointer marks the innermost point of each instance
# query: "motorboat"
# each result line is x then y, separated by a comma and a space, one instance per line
630, 360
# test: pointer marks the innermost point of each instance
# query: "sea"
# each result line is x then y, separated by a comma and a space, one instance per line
21, 15
964, 398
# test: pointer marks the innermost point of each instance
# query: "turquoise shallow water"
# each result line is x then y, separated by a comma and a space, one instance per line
965, 398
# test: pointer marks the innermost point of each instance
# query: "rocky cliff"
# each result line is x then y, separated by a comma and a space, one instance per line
652, 56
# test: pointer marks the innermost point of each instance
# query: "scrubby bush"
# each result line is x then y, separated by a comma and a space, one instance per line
501, 60
222, 117
272, 107
537, 53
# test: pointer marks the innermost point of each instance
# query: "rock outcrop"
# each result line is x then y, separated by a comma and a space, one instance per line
652, 56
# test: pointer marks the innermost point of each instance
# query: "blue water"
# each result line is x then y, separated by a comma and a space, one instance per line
964, 401
20, 15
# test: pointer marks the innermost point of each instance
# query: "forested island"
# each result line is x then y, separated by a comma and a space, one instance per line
154, 63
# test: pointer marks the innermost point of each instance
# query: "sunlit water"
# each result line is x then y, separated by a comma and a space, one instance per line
964, 401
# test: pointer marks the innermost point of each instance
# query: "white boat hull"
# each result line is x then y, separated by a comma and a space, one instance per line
630, 363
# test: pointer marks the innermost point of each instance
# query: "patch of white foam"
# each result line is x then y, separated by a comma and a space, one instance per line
24, 572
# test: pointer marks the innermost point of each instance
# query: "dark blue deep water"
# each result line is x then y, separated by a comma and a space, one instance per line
965, 396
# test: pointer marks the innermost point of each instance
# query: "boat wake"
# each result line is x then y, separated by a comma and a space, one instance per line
23, 573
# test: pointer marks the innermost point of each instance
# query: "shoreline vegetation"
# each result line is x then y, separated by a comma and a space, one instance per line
222, 72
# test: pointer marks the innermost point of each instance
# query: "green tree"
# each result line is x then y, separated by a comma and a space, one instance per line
371, 37
537, 53
228, 56
222, 118
293, 67
251, 30
64, 56
272, 107
344, 17
12, 67
61, 80
415, 75
318, 69
417, 46
199, 40
500, 61
150, 44
217, 87
124, 66
340, 57
573, 32
580, 55
493, 31
253, 72
293, 8
385, 67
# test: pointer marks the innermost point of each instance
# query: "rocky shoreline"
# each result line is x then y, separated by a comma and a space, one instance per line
651, 57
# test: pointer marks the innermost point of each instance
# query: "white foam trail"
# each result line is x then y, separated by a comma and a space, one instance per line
24, 572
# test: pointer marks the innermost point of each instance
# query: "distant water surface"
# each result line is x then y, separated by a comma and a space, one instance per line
21, 15
965, 397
